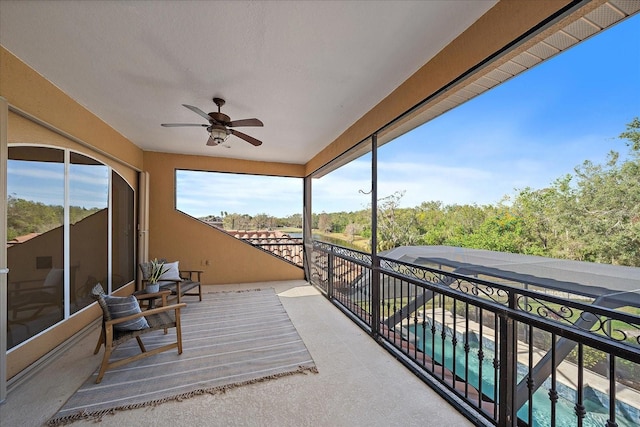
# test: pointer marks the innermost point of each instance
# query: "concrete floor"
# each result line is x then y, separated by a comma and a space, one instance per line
358, 384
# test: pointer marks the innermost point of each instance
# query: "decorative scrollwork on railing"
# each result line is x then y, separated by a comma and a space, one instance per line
541, 308
343, 252
353, 254
412, 271
613, 329
322, 246
564, 312
495, 294
617, 329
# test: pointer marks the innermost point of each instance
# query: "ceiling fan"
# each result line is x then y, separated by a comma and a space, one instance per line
219, 124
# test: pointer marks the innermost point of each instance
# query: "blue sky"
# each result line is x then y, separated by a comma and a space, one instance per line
232, 193
44, 182
526, 132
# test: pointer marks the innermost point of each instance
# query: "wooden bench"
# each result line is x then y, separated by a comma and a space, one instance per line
189, 283
186, 285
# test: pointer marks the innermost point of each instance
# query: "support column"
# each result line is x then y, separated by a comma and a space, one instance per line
375, 262
307, 224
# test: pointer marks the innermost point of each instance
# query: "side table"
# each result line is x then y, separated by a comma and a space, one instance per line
152, 297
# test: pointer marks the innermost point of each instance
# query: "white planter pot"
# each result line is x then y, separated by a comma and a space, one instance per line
152, 288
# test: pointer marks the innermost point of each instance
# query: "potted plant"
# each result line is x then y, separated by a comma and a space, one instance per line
156, 271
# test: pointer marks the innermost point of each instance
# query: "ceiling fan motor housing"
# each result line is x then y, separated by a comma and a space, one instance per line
220, 118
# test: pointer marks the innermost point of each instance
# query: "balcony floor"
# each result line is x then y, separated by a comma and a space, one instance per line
358, 383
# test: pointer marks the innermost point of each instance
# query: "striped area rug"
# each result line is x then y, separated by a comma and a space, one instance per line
229, 339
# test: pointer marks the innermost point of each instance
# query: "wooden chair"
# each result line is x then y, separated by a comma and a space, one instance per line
113, 335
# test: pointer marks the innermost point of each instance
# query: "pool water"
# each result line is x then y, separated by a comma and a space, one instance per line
597, 413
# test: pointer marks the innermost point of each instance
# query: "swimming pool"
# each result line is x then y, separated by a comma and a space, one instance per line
595, 402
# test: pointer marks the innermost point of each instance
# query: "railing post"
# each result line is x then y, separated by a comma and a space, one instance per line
375, 296
330, 262
507, 414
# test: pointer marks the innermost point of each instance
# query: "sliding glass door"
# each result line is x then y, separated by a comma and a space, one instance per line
70, 222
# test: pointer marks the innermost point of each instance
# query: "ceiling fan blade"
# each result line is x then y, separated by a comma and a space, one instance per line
245, 122
211, 142
197, 111
173, 125
249, 139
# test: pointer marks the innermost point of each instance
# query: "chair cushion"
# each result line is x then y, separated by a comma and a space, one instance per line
125, 306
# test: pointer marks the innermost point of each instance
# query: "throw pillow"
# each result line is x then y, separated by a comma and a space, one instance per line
171, 274
122, 307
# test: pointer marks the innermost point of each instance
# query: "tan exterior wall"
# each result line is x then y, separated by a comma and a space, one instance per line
503, 23
175, 236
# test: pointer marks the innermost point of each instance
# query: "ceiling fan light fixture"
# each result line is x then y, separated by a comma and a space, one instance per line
219, 134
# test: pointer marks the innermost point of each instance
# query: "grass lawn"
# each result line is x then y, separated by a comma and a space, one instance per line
360, 242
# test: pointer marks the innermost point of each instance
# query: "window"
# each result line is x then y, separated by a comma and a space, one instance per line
52, 201
88, 228
123, 231
35, 234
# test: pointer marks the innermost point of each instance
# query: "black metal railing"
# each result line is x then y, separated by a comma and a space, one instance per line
503, 354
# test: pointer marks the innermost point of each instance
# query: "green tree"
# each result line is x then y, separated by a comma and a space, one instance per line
25, 217
325, 223
608, 205
261, 221
396, 226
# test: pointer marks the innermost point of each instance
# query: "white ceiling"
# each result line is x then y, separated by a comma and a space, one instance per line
307, 69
